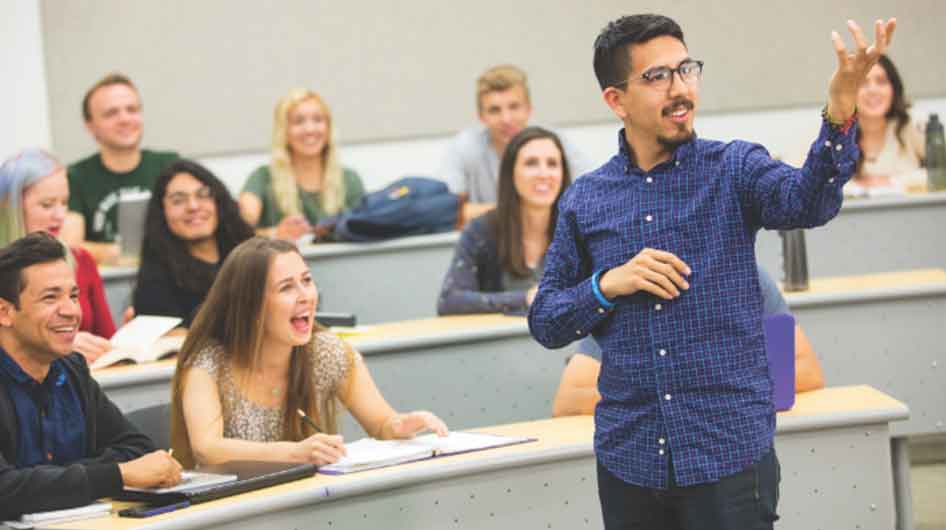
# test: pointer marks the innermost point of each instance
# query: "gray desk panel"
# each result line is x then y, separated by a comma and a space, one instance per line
834, 477
382, 282
869, 236
895, 345
486, 382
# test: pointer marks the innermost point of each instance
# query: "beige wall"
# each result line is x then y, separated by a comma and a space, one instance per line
211, 71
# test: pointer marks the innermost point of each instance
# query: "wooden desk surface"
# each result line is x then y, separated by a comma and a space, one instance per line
557, 438
886, 280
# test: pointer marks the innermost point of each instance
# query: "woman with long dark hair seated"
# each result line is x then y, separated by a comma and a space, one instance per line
255, 356
498, 260
892, 147
191, 226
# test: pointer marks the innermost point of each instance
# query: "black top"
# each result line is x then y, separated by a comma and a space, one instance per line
111, 439
157, 293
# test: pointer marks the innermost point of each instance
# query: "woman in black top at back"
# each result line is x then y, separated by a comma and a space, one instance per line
191, 226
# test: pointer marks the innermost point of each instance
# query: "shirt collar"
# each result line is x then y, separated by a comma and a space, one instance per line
680, 154
18, 375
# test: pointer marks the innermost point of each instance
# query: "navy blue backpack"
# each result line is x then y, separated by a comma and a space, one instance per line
408, 206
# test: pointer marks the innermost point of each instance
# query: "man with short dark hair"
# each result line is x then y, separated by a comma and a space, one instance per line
111, 109
470, 165
654, 255
62, 442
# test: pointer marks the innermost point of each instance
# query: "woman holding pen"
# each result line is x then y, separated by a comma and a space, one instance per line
255, 357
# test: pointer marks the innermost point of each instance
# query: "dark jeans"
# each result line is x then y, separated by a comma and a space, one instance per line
744, 501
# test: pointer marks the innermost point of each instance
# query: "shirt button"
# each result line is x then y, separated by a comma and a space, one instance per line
650, 180
600, 310
649, 218
831, 180
658, 307
667, 397
661, 441
627, 169
577, 332
827, 143
663, 352
838, 147
661, 451
677, 163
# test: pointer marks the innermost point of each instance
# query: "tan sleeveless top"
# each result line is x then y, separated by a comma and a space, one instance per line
247, 420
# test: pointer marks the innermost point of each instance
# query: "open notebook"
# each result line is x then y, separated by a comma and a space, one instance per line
369, 453
190, 480
142, 340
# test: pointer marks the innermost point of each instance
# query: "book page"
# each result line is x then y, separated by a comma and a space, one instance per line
135, 340
368, 453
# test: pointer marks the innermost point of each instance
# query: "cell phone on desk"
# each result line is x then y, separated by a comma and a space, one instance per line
149, 511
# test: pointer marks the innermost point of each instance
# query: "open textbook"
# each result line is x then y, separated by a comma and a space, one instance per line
142, 340
369, 453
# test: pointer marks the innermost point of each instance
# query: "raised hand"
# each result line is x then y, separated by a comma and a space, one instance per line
853, 67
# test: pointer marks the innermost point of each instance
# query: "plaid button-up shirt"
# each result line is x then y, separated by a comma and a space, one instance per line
686, 379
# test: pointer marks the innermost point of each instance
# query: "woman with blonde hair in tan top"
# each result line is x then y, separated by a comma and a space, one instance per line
254, 356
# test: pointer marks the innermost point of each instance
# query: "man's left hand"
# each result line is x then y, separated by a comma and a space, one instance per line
853, 67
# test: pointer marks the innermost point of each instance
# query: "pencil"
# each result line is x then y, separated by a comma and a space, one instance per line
305, 417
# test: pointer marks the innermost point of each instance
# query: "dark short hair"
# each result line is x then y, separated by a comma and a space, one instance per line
29, 250
612, 59
113, 78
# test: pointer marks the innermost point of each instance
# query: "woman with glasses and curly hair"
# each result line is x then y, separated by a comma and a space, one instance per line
191, 226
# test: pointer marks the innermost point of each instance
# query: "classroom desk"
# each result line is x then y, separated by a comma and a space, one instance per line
884, 330
833, 447
870, 236
398, 279
471, 370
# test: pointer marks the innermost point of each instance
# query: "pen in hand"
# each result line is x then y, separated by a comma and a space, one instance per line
305, 417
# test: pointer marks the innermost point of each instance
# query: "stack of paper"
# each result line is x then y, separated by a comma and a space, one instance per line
29, 520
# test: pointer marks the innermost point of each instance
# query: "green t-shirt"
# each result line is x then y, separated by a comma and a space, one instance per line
94, 190
260, 184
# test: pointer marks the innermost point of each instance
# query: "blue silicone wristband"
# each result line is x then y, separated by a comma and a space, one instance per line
607, 304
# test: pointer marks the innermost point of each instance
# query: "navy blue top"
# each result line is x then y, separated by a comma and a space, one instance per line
691, 374
773, 303
49, 415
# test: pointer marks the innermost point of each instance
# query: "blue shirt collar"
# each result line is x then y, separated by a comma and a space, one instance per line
18, 375
680, 154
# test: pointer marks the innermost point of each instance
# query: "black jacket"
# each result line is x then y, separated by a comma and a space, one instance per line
110, 437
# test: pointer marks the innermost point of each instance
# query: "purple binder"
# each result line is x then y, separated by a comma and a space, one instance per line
780, 346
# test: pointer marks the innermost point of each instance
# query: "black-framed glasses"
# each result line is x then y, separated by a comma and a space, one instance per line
179, 199
661, 77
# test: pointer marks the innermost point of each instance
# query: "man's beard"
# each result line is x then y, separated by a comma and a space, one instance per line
672, 142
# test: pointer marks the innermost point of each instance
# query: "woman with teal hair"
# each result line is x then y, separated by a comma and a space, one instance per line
34, 196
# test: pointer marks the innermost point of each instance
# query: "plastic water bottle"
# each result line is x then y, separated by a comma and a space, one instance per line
935, 155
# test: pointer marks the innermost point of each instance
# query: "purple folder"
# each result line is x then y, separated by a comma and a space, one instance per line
780, 346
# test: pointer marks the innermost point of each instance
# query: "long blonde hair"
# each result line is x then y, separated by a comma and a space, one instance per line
231, 319
285, 188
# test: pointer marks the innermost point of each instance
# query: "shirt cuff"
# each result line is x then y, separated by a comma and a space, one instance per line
105, 480
838, 149
596, 288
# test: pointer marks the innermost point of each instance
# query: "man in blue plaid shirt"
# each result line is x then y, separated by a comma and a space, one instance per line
654, 255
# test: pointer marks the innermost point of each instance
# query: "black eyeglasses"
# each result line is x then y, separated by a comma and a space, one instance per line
661, 77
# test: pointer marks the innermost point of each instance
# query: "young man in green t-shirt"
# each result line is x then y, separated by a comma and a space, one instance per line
112, 113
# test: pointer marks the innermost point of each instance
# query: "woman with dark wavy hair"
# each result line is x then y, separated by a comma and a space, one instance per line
191, 226
499, 259
892, 148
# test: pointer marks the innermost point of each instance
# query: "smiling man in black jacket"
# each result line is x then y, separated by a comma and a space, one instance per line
62, 442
